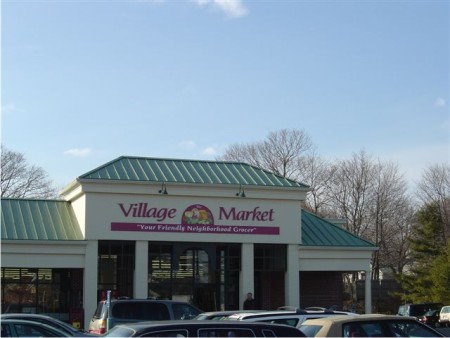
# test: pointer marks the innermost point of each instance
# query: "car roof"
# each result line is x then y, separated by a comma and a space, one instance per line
226, 312
278, 313
202, 323
24, 315
344, 318
265, 313
143, 300
28, 322
31, 316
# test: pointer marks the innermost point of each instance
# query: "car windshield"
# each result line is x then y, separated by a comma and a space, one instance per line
410, 329
310, 330
430, 313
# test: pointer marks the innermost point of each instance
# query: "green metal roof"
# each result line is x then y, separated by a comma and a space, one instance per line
317, 231
26, 219
144, 169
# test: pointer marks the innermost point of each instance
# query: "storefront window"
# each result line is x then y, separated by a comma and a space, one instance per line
51, 291
115, 268
270, 257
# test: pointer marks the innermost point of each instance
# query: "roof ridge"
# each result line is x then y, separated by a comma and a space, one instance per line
117, 159
292, 182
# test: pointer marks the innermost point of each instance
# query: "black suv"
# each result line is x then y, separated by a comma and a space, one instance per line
123, 311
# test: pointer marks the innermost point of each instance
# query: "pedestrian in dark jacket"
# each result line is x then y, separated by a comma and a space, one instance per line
249, 303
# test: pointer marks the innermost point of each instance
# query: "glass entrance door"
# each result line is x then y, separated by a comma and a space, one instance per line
206, 275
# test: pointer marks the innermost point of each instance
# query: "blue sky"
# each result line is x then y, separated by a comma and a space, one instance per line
84, 82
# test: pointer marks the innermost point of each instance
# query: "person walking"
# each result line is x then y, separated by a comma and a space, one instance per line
249, 303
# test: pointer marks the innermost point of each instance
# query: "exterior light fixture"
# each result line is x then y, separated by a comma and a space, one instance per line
163, 189
241, 192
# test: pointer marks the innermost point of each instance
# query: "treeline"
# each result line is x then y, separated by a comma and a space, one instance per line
372, 196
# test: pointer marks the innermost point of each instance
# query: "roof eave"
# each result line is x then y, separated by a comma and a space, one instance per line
342, 247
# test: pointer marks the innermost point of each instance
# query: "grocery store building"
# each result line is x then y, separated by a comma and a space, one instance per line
204, 232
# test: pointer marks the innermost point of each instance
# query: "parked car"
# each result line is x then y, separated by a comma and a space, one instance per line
444, 316
430, 318
203, 328
28, 328
123, 311
219, 315
373, 325
56, 323
286, 317
417, 310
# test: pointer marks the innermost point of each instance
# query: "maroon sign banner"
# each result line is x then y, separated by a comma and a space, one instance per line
196, 228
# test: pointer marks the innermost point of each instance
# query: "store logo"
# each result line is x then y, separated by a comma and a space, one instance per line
197, 214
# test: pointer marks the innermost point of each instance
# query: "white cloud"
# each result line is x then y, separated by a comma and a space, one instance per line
439, 102
209, 151
232, 8
187, 144
9, 108
77, 152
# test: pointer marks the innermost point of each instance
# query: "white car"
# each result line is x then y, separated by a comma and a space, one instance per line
444, 316
291, 318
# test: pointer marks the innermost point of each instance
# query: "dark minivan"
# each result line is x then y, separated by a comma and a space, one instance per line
124, 311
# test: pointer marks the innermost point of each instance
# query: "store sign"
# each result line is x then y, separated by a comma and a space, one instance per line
196, 218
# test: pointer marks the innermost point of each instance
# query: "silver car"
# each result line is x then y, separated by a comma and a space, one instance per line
444, 316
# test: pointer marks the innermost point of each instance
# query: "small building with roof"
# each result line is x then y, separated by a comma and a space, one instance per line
205, 232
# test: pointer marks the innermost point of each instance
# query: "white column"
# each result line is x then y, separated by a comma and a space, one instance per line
292, 279
141, 270
247, 282
368, 292
90, 281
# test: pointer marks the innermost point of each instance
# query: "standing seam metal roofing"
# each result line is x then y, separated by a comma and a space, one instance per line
126, 168
38, 220
319, 232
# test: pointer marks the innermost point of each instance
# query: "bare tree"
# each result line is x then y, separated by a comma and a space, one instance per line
434, 187
350, 191
316, 173
279, 152
388, 226
394, 253
20, 180
283, 149
372, 197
